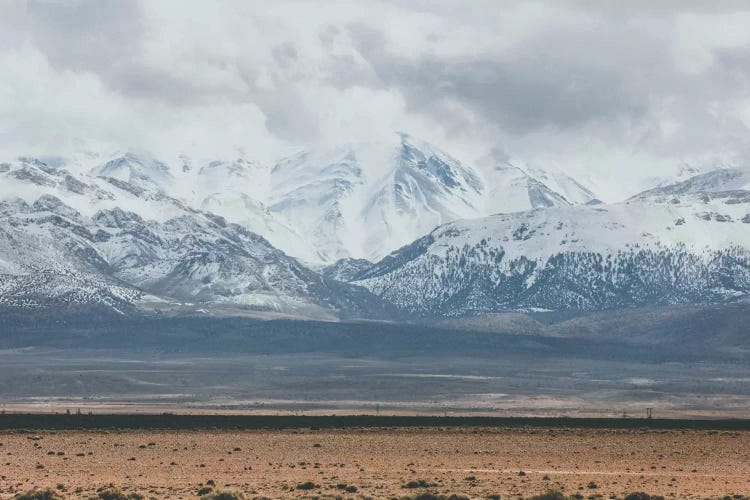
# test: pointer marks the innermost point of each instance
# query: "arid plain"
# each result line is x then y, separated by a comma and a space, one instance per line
380, 463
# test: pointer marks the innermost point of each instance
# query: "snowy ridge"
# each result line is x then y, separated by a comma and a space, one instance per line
423, 188
363, 201
692, 249
513, 190
301, 237
724, 179
561, 183
355, 201
51, 250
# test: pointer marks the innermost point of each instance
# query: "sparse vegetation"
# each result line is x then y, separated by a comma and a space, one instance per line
112, 493
421, 483
223, 495
432, 496
550, 495
349, 475
46, 494
639, 495
349, 488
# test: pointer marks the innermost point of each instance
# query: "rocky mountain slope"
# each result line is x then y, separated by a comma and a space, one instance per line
318, 234
366, 200
52, 254
355, 201
685, 243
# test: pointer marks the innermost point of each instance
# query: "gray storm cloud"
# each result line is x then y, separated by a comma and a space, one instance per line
593, 87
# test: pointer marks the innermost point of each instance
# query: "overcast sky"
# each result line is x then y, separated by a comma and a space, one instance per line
603, 90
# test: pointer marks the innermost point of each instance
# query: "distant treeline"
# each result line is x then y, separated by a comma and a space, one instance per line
29, 422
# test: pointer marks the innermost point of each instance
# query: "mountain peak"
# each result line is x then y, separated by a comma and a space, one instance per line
719, 180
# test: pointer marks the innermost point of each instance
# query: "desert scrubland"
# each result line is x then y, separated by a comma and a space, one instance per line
380, 463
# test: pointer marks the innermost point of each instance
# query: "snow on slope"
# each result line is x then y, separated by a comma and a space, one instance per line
155, 190
366, 200
514, 185
693, 248
141, 171
359, 201
198, 258
681, 173
222, 232
422, 188
724, 179
561, 184
61, 290
235, 190
510, 189
317, 191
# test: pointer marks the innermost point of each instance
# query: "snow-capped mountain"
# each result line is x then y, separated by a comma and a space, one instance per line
514, 186
363, 201
721, 180
115, 257
341, 232
239, 190
511, 189
141, 171
562, 184
423, 187
689, 242
357, 201
315, 190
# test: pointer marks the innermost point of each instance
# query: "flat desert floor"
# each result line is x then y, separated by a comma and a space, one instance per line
380, 463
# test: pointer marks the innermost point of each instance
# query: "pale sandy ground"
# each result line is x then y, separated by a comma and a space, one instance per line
473, 462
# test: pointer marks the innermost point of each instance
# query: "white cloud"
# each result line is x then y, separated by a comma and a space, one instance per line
603, 91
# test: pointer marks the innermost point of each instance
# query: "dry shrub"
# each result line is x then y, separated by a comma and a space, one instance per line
550, 495
223, 495
112, 493
46, 494
432, 496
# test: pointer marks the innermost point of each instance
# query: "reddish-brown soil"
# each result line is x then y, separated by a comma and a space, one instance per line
379, 463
